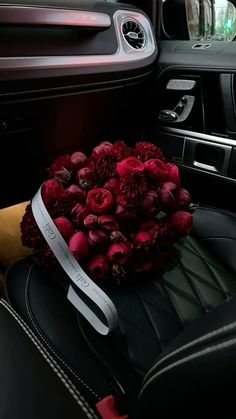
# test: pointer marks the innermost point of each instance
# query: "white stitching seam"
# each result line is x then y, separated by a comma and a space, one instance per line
52, 363
182, 361
46, 342
190, 344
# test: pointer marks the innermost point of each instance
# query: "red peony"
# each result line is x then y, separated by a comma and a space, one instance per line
121, 150
128, 166
52, 189
120, 209
60, 168
99, 200
147, 151
157, 170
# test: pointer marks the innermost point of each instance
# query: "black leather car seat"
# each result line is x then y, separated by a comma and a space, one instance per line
176, 345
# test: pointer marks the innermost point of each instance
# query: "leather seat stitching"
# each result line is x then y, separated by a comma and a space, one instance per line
190, 344
189, 358
52, 363
44, 339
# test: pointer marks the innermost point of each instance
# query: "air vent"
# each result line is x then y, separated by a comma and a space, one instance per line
134, 33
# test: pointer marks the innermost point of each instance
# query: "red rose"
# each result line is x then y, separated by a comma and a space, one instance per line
91, 221
85, 177
173, 173
64, 226
142, 240
97, 237
101, 149
183, 198
146, 151
78, 160
157, 170
99, 200
181, 222
128, 166
118, 253
167, 195
78, 245
98, 266
52, 189
108, 222
78, 213
76, 192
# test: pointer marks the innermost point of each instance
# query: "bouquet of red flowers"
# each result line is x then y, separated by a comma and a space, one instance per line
119, 210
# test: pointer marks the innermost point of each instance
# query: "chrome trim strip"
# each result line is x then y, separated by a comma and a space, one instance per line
124, 54
198, 136
30, 15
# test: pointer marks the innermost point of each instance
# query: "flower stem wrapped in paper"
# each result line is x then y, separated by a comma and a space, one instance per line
119, 210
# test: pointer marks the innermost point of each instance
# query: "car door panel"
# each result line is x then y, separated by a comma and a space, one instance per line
65, 86
204, 144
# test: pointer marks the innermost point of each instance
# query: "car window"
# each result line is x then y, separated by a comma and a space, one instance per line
211, 20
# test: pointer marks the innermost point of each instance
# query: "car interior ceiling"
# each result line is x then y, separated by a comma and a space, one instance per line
67, 87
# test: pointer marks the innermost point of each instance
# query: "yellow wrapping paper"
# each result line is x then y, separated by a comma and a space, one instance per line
11, 248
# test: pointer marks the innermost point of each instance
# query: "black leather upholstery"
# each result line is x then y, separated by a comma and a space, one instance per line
33, 386
152, 313
216, 230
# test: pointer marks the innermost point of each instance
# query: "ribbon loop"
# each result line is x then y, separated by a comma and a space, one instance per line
76, 274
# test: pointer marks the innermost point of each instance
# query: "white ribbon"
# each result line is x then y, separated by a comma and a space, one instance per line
75, 272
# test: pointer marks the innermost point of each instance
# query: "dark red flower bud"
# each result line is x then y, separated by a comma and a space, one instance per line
98, 266
181, 222
99, 200
173, 173
101, 149
85, 177
64, 226
91, 221
118, 253
76, 192
78, 160
97, 237
108, 222
142, 240
79, 213
183, 198
123, 214
167, 196
78, 245
150, 204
